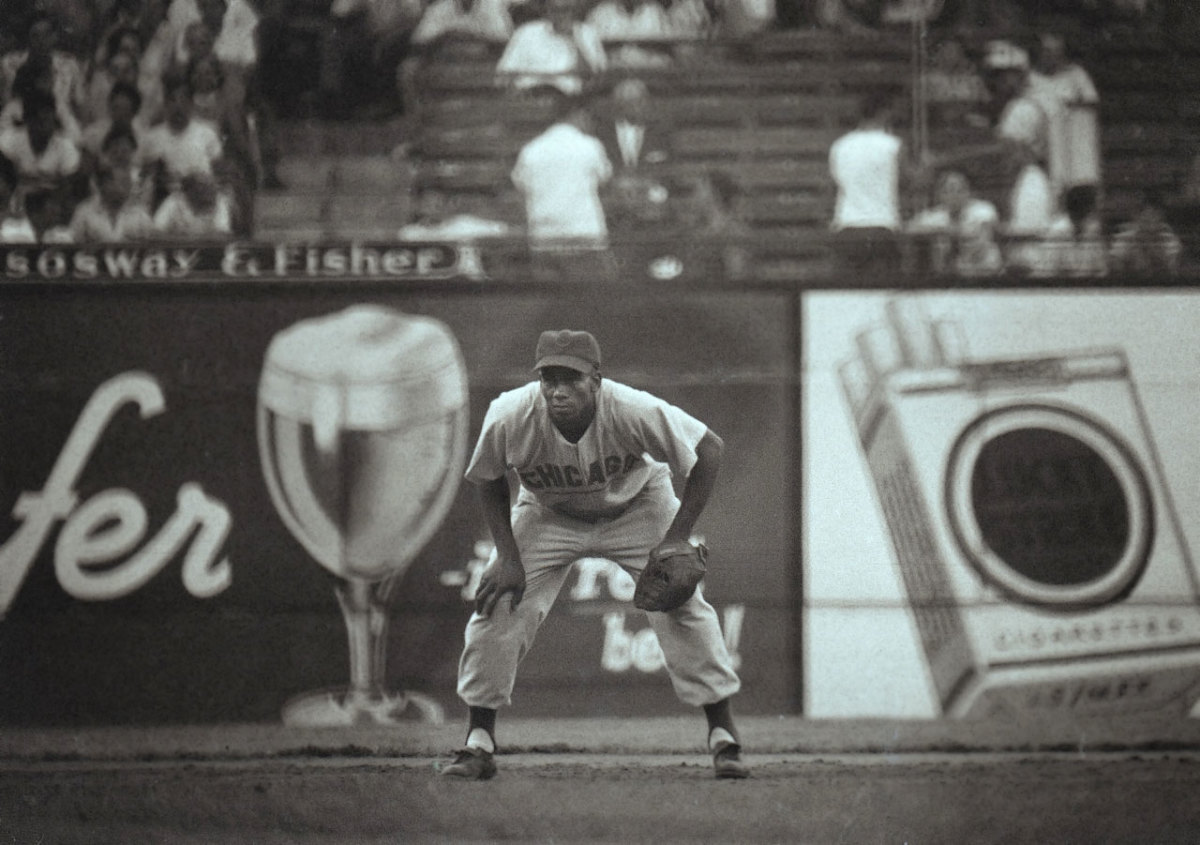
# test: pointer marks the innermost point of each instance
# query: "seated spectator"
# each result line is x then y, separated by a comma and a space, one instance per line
112, 214
434, 219
36, 79
692, 19
121, 67
955, 90
49, 211
119, 150
181, 143
43, 155
558, 51
486, 20
122, 112
66, 76
560, 173
196, 210
619, 22
962, 228
230, 28
710, 218
1146, 245
15, 227
1074, 242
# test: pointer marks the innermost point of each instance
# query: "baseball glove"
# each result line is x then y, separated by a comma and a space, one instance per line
670, 576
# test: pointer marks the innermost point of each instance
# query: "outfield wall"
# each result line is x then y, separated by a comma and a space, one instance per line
934, 503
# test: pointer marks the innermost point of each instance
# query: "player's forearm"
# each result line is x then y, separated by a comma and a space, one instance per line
497, 512
699, 487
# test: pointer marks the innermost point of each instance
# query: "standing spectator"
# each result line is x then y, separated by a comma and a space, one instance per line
962, 229
866, 165
559, 51
65, 72
15, 227
196, 210
44, 156
111, 214
1146, 245
1067, 93
560, 173
638, 145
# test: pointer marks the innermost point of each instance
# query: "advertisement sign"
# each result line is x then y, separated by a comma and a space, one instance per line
198, 527
1024, 474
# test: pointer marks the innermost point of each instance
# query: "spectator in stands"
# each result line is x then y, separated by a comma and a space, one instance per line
1146, 245
122, 112
710, 217
868, 164
485, 20
43, 155
15, 227
181, 144
956, 92
119, 150
66, 76
962, 230
638, 145
560, 173
112, 214
35, 78
1074, 243
49, 210
195, 210
121, 66
362, 53
435, 219
619, 22
559, 51
1069, 97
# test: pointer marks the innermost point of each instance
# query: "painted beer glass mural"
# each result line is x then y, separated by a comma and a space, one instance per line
362, 423
1012, 446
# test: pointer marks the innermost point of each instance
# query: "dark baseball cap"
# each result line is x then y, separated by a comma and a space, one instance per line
567, 348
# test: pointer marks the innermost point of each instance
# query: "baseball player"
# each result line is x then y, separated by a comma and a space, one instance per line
594, 460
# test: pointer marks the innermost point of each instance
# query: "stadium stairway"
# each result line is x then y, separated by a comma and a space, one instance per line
342, 181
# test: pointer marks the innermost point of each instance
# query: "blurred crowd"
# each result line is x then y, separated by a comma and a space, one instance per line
130, 119
1040, 110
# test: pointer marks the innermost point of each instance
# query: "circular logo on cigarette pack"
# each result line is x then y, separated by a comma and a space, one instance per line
1050, 506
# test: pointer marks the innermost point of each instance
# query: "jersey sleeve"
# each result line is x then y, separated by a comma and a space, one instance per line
489, 460
669, 434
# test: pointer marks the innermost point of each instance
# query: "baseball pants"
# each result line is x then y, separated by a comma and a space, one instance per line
690, 636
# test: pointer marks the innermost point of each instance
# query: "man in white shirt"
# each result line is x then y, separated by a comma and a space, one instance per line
1067, 93
560, 173
866, 165
181, 144
594, 461
111, 215
43, 155
41, 40
559, 51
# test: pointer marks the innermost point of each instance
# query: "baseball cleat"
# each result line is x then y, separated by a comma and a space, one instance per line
470, 764
727, 762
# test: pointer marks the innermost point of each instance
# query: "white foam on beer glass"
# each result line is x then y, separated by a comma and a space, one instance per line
381, 398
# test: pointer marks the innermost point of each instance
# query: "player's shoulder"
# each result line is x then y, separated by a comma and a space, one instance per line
622, 399
516, 402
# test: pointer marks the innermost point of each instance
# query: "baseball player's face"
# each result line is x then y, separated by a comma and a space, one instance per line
570, 395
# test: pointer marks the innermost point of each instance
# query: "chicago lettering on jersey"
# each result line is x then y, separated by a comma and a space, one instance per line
546, 476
